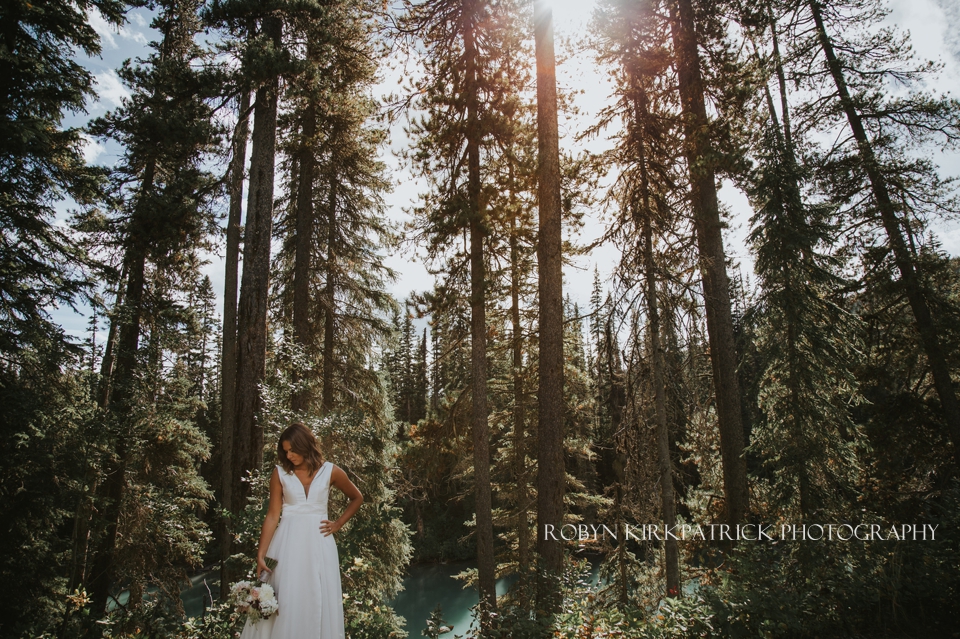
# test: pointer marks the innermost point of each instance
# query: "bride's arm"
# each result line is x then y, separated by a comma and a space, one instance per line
341, 481
270, 521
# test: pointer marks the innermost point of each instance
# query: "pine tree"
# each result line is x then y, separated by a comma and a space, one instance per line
41, 162
633, 37
265, 44
228, 352
512, 205
458, 85
255, 35
580, 435
352, 230
335, 223
806, 338
164, 215
848, 74
550, 467
407, 366
403, 372
435, 489
550, 473
691, 29
47, 404
420, 387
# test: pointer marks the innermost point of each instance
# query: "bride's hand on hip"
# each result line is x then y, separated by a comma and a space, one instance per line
328, 527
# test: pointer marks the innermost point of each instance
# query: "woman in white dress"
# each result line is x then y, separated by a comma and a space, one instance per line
297, 533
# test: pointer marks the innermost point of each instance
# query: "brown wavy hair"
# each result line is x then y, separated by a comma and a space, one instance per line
302, 442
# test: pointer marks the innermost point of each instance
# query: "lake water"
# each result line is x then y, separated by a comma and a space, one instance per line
427, 585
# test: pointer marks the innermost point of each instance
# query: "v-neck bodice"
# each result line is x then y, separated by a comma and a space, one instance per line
306, 500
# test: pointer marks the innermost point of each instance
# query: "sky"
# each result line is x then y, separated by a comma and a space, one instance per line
933, 24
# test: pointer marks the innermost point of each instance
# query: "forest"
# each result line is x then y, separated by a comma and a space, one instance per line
490, 417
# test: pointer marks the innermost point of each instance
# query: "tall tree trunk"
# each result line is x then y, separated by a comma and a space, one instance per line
109, 360
550, 469
301, 264
486, 563
782, 84
228, 351
123, 385
519, 415
81, 530
716, 286
622, 596
791, 185
330, 302
85, 507
255, 281
667, 501
903, 257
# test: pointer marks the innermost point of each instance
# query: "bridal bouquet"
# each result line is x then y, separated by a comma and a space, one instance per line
255, 600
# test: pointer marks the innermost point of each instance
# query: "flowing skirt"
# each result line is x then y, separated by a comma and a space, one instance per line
307, 582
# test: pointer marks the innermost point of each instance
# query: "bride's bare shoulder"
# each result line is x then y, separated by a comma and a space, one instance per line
276, 483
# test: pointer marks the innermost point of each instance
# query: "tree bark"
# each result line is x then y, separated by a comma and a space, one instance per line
519, 417
486, 562
228, 351
903, 257
716, 286
255, 282
110, 348
550, 470
85, 507
123, 385
330, 302
791, 186
301, 264
667, 500
622, 595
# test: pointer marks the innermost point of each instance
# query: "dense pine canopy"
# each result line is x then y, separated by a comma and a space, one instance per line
41, 162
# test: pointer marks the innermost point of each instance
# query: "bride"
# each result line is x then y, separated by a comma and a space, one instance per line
306, 577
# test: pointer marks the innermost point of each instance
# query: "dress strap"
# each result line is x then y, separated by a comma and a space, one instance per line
281, 473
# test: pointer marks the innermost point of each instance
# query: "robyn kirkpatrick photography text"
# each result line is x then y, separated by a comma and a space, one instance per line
743, 532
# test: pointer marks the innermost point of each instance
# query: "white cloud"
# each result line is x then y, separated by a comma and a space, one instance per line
137, 36
104, 29
92, 149
109, 33
137, 18
932, 27
951, 12
109, 88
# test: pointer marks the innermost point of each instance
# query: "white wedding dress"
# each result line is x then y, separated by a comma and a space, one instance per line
307, 576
